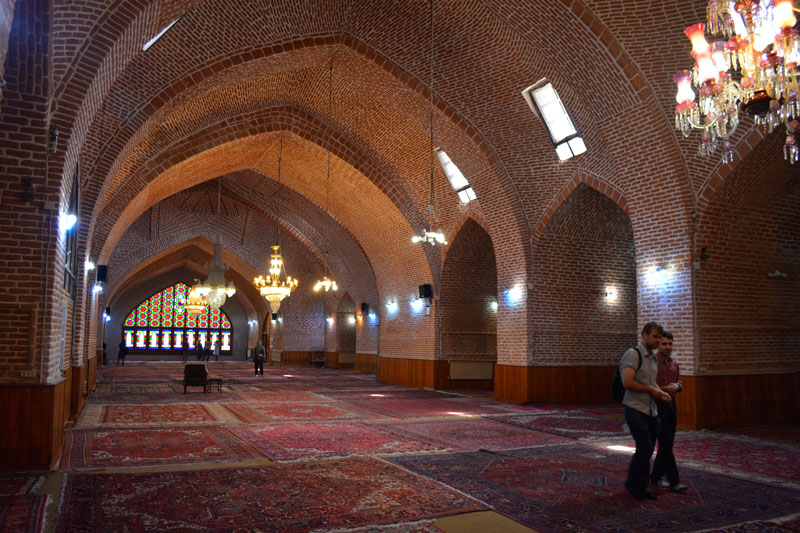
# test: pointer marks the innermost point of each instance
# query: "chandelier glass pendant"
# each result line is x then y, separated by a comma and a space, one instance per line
194, 303
430, 236
750, 66
326, 283
214, 289
272, 288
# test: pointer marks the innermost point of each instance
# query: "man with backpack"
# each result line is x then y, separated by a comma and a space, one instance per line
639, 370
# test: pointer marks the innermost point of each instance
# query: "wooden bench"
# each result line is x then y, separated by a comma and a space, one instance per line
195, 375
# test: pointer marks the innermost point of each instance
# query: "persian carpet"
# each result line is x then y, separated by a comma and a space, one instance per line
764, 460
290, 396
18, 485
474, 434
344, 493
160, 397
566, 424
574, 487
417, 408
153, 415
374, 395
286, 442
105, 448
22, 512
254, 413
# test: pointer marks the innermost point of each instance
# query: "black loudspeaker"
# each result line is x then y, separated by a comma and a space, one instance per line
108, 311
426, 291
274, 316
102, 273
364, 308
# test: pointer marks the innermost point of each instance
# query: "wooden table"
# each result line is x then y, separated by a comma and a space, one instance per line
212, 381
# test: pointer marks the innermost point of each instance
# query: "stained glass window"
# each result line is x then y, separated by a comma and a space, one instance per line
161, 325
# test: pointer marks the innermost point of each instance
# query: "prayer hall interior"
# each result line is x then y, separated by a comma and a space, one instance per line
445, 220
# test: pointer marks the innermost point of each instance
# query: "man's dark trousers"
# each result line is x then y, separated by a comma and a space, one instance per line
644, 429
665, 459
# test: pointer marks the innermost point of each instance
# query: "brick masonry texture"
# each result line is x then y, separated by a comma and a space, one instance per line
146, 134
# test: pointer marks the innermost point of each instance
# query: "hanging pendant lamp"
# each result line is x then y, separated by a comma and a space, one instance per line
431, 236
214, 289
272, 288
326, 283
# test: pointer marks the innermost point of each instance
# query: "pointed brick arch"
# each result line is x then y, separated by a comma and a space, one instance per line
585, 251
468, 289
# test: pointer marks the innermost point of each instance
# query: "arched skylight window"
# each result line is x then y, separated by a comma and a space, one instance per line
547, 105
457, 180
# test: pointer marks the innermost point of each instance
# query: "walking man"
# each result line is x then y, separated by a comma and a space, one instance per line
639, 370
670, 382
259, 354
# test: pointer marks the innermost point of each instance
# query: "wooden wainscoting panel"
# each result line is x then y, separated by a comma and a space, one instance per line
76, 396
91, 382
35, 415
366, 362
572, 384
419, 373
511, 383
296, 358
331, 359
744, 401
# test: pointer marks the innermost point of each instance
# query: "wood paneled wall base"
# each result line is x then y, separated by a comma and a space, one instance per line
92, 379
36, 414
420, 373
366, 362
556, 384
296, 358
76, 396
718, 402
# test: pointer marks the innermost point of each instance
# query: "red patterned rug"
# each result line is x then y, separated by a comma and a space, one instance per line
766, 460
281, 412
474, 434
104, 448
418, 408
568, 424
286, 442
22, 513
283, 396
346, 493
151, 415
381, 395
578, 488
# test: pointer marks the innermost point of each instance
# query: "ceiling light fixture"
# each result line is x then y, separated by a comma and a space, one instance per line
429, 235
750, 66
194, 303
214, 289
272, 288
327, 283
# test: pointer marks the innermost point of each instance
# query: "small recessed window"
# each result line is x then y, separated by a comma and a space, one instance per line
545, 103
160, 34
457, 180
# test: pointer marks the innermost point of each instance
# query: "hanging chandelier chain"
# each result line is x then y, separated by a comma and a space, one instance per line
219, 212
278, 192
328, 182
431, 124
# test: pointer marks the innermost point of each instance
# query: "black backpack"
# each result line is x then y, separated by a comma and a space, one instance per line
617, 390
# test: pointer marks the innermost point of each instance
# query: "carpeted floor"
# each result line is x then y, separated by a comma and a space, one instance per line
302, 449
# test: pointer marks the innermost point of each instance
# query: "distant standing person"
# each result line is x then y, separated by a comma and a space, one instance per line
669, 380
199, 349
185, 351
259, 355
123, 351
216, 350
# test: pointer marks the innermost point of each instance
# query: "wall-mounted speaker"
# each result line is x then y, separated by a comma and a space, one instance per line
364, 308
274, 316
102, 273
426, 291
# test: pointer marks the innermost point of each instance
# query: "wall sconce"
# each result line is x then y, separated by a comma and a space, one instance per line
97, 288
373, 316
89, 265
67, 221
514, 294
330, 320
658, 275
610, 294
778, 274
493, 306
391, 306
417, 305
351, 319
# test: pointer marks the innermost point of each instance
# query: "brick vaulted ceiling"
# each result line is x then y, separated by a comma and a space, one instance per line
213, 96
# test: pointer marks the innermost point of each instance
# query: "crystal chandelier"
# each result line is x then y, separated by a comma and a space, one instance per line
273, 289
194, 303
325, 283
750, 66
430, 236
214, 289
